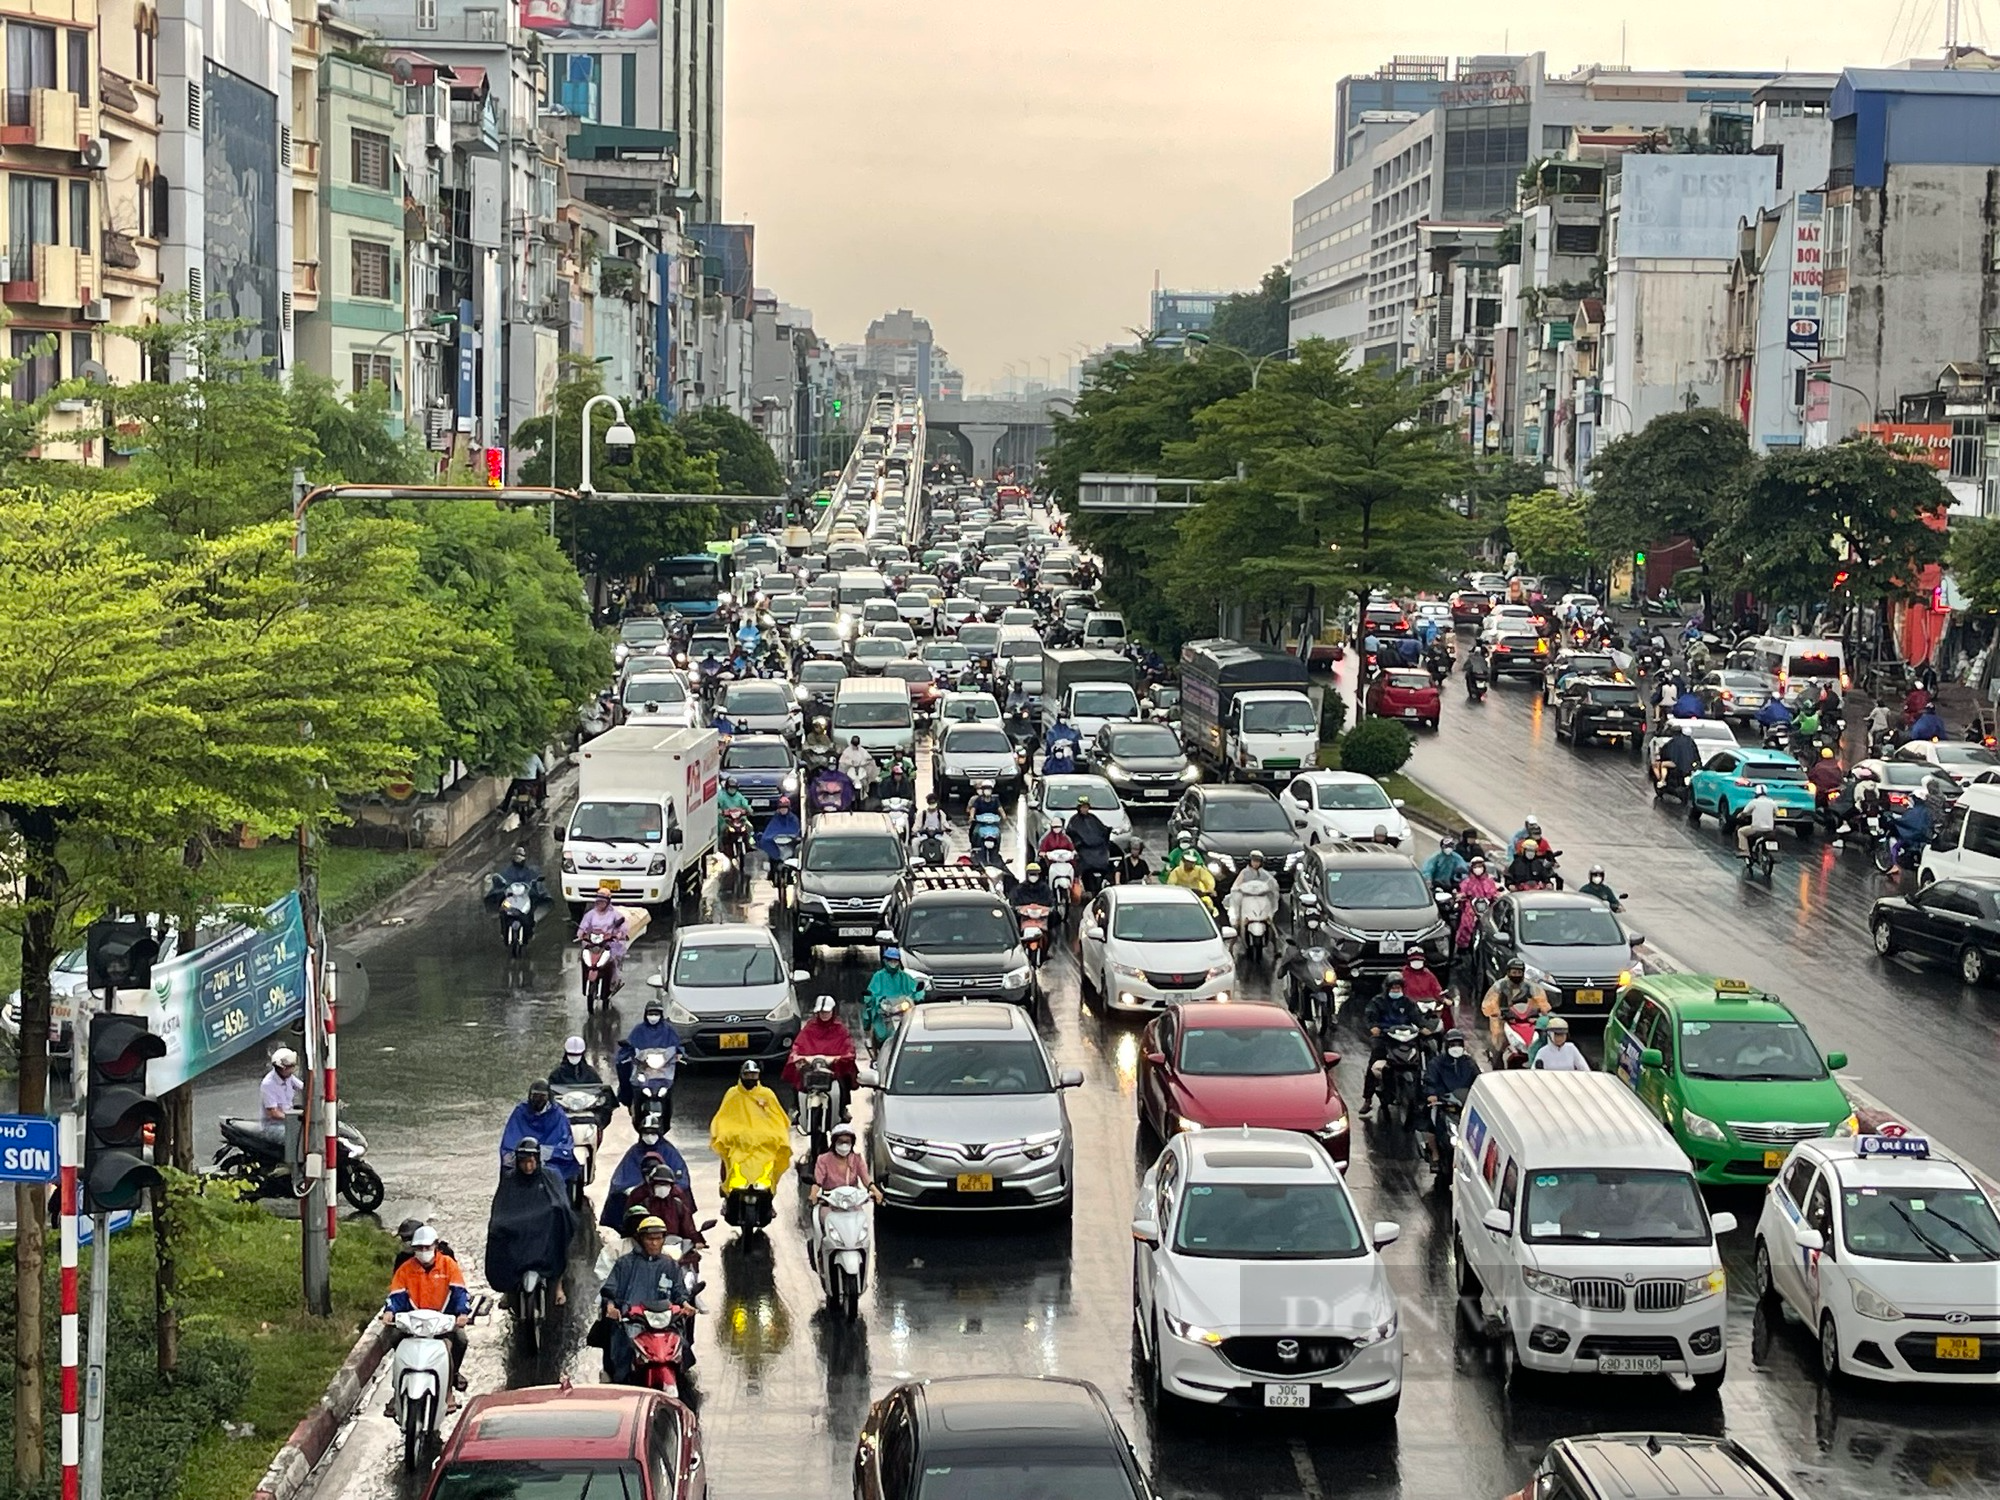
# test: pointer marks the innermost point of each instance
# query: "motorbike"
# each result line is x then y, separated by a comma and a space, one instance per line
1517, 1035
1669, 780
842, 1237
534, 1303
1034, 932
819, 1107
1313, 983
597, 969
659, 1333
1402, 1082
1778, 737
596, 717
748, 1189
1256, 939
653, 1089
738, 839
930, 849
784, 869
249, 1154
1430, 1028
1062, 879
899, 810
1475, 689
585, 1108
1761, 857
1450, 1109
420, 1376
985, 825
517, 909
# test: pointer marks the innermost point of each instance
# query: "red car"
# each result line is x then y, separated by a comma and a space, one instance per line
1212, 1064
1402, 693
921, 681
608, 1439
1471, 607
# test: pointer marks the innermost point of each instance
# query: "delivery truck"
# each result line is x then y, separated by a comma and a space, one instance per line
644, 818
1085, 688
1245, 713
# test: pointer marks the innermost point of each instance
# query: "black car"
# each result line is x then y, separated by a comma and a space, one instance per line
1518, 653
1377, 907
995, 1435
1567, 664
1228, 822
1145, 761
1598, 708
1955, 920
959, 937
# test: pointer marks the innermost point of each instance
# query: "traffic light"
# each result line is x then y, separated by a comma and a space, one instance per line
1638, 559
496, 468
1840, 579
836, 406
118, 1113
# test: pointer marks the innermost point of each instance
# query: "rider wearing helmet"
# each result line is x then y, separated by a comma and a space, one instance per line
1595, 886
888, 984
1450, 1072
1033, 891
824, 1035
1759, 818
1253, 896
1530, 830
1446, 868
783, 824
842, 1165
731, 800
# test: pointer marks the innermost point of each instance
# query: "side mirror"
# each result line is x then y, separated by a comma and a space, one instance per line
867, 1078
800, 976
1637, 937
1808, 1238
1229, 934
657, 981
1092, 931
675, 836
1723, 1223
1397, 803
1385, 1233
1070, 1078
1146, 1232
1331, 1059
1498, 1221
1836, 1060
1300, 824
1157, 1059
885, 936
1651, 1058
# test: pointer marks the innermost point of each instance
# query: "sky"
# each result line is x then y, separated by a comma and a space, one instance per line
1019, 173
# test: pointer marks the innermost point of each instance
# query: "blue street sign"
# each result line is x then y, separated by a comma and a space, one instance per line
119, 1220
27, 1148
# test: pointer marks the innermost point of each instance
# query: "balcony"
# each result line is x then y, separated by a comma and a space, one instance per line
56, 120
306, 37
305, 278
51, 276
305, 158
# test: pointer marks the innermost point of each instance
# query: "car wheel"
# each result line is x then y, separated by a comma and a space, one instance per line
1513, 1374
1711, 1383
1468, 1279
1884, 935
1972, 964
1830, 1368
1092, 996
1694, 812
1766, 1287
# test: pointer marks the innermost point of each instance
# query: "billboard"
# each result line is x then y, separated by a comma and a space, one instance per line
1690, 207
225, 998
1930, 441
621, 20
1802, 302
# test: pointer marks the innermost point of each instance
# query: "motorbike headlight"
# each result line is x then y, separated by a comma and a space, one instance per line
1701, 1127
1714, 1284
680, 1015
1016, 977
1329, 976
1556, 1288
1872, 1304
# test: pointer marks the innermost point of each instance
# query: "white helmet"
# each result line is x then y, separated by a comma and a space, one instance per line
284, 1057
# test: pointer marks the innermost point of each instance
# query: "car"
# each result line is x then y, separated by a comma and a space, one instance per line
919, 679
761, 706
823, 638
764, 769
819, 678
1599, 708
785, 608
1386, 621
871, 653
1437, 611
1470, 607
1516, 653
566, 1439
944, 656
1585, 605
1145, 761
1652, 1466
1900, 781
981, 639
1955, 920
1405, 693
919, 609
1226, 822
959, 610
967, 707
961, 941
966, 755
1574, 663
1144, 947
1224, 1064
729, 992
1517, 619
853, 872
995, 1435
1886, 1248
1728, 779
1491, 584
969, 1114
660, 695
1581, 952
1964, 763
1709, 735
1728, 1069
1734, 695
1229, 1230
1052, 802
1378, 909
1331, 805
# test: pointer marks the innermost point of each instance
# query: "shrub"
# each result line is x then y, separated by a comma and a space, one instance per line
1376, 747
1332, 714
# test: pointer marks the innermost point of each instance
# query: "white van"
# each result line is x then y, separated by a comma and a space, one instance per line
1581, 1233
877, 709
1967, 838
644, 818
1016, 642
1797, 659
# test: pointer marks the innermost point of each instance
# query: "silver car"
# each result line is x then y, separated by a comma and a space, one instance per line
969, 1113
729, 993
1580, 952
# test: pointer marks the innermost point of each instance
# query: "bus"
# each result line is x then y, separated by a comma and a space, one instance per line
693, 585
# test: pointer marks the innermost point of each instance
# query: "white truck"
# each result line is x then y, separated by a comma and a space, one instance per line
644, 817
1245, 713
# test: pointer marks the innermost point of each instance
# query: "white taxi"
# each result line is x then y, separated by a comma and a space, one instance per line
1891, 1252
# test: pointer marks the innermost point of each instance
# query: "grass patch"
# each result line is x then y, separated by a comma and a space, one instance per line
1417, 800
350, 879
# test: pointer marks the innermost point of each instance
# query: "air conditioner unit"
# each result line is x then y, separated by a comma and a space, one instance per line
97, 310
1992, 346
6, 266
96, 153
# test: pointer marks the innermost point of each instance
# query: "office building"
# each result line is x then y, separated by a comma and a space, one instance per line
1175, 315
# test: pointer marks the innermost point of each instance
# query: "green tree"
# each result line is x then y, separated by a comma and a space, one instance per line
352, 438
1975, 561
744, 462
1677, 477
1805, 516
1258, 322
1547, 532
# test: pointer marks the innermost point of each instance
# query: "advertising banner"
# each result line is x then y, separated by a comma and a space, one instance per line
1802, 306
583, 19
221, 1000
1930, 440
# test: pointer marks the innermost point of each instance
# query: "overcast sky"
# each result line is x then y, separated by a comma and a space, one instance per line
1018, 172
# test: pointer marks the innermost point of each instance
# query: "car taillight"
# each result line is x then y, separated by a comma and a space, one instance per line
1727, 695
1500, 650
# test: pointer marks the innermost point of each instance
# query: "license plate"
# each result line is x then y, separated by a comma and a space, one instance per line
1392, 945
1409, 713
1288, 1397
975, 1182
857, 932
1773, 1160
1156, 791
1588, 997
1957, 1348
1629, 1364
733, 1039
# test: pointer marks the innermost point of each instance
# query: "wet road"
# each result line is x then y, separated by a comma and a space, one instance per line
451, 1037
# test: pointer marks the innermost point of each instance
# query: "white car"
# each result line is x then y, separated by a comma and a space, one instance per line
1326, 806
1890, 1253
661, 695
1507, 619
1586, 605
967, 708
1258, 1283
1709, 736
1432, 609
764, 706
1964, 763
1054, 802
1144, 947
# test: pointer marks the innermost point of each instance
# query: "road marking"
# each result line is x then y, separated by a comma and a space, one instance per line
1308, 1476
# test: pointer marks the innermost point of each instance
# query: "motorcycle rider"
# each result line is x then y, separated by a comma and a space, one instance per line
574, 1072
1191, 871
1132, 868
540, 1119
279, 1092
1773, 716
519, 871
1529, 831
644, 1274
1448, 1073
1056, 838
824, 1035
818, 747
1062, 730
1533, 864
1511, 990
1688, 704
1446, 868
1912, 828
654, 1033
731, 800
605, 918
1390, 1008
748, 1121
1060, 758
840, 1165
1676, 757
666, 1196
830, 790
983, 803
1093, 845
630, 1173
888, 983
1420, 982
530, 1224
1558, 1054
1475, 669
1477, 886
986, 855
431, 1281
1928, 725
1758, 818
1253, 897
899, 783
406, 1232
1595, 886
859, 766
1826, 778
931, 822
783, 824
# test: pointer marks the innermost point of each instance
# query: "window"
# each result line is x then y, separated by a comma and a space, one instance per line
370, 259
31, 220
36, 373
370, 167
427, 15
81, 214
1833, 327
145, 44
79, 64
1510, 1187
1577, 239
373, 369
31, 65
1968, 447
1982, 835
1798, 1176
1555, 137
1819, 1210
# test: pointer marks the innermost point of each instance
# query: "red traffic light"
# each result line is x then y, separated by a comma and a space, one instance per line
496, 467
121, 1046
1840, 579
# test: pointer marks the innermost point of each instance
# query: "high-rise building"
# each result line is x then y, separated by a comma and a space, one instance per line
1407, 85
1175, 315
898, 350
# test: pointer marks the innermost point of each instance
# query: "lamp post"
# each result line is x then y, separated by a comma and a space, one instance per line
1255, 362
433, 327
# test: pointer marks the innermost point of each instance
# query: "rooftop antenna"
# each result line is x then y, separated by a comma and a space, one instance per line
1621, 44
1951, 33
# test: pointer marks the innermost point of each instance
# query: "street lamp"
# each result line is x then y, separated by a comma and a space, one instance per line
1256, 363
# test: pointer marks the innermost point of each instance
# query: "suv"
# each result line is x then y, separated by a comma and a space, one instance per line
1581, 952
968, 754
1228, 822
1517, 651
1597, 708
852, 872
1652, 1466
1567, 664
961, 941
1377, 907
969, 1113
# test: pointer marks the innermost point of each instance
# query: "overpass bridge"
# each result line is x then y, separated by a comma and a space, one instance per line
994, 431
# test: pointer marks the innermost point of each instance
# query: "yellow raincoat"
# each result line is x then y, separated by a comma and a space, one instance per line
1195, 877
752, 1136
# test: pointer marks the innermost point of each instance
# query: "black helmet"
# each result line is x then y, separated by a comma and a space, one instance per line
538, 1089
750, 1072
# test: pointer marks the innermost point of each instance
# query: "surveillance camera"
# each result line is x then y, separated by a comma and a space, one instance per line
618, 443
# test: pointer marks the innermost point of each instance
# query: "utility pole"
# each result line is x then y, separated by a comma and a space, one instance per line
314, 1270
92, 1471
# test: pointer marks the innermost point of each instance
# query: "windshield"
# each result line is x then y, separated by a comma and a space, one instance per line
970, 706
1026, 670
957, 928
1382, 888
1267, 1221
668, 690
1571, 927
1766, 1051
1589, 666
1144, 742
754, 757
1105, 702
970, 1067
642, 631
1616, 696
758, 698
1245, 815
617, 822
952, 653
907, 671
865, 713
977, 741
714, 965
979, 637
1780, 770
1061, 796
1919, 1223
1352, 796
692, 587
1409, 682
1966, 755
542, 1479
1163, 922
821, 673
1613, 1206
854, 853
1246, 1051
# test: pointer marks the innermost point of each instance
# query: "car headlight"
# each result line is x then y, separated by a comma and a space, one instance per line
1556, 1288
657, 865
1381, 1333
1189, 1332
1126, 971
1116, 772
790, 783
1714, 1284
785, 1010
1041, 1147
1872, 1304
1191, 772
908, 1147
1220, 971
1701, 1127
1333, 1129
1016, 977
680, 1015
1847, 1127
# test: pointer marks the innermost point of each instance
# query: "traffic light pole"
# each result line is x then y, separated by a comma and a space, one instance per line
93, 1365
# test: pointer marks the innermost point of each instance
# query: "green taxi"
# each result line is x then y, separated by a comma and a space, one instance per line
1728, 1069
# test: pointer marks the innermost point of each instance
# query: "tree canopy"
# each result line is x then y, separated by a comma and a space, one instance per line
744, 462
1258, 322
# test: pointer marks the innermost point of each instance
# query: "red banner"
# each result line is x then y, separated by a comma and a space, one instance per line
1930, 440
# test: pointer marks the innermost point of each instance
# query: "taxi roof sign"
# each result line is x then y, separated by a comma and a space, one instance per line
1893, 1145
1740, 989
